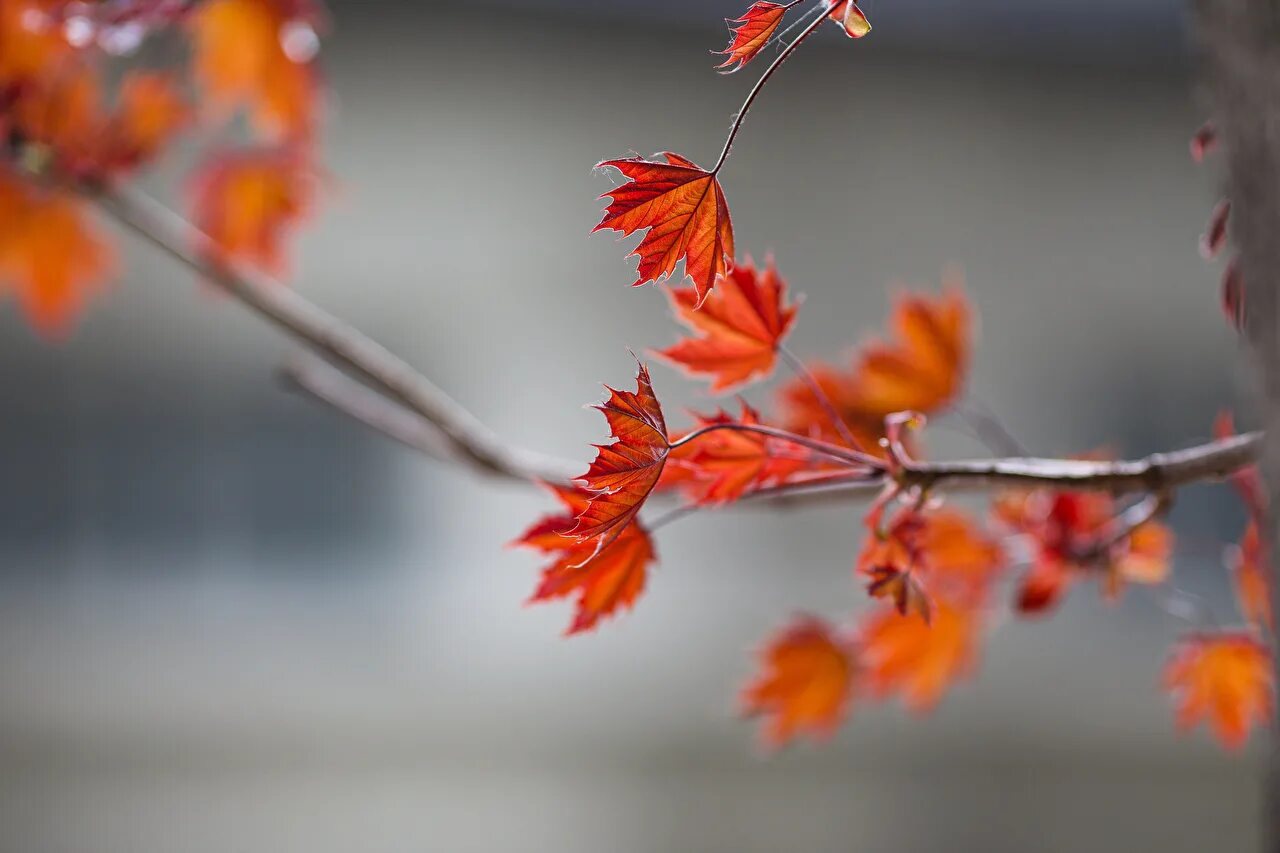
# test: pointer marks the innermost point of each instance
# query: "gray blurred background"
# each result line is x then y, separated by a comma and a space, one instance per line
234, 622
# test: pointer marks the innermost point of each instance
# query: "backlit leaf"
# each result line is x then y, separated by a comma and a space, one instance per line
750, 33
684, 211
626, 471
740, 327
604, 583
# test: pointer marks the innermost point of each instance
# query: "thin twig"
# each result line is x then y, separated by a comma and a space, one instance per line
815, 388
759, 87
833, 451
315, 378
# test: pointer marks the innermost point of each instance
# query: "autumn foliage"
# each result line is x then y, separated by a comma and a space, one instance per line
70, 134
933, 577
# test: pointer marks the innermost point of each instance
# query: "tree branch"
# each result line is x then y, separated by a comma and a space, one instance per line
332, 338
315, 378
1158, 473
406, 406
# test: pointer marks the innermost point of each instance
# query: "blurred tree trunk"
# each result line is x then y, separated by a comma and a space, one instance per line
1240, 45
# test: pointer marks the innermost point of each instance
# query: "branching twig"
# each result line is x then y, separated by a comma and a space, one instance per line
411, 409
316, 379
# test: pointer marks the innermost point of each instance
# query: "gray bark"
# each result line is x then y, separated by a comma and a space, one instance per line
1240, 48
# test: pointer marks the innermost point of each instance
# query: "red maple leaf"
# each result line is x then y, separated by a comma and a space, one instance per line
625, 472
805, 683
1224, 678
605, 582
751, 33
740, 327
684, 210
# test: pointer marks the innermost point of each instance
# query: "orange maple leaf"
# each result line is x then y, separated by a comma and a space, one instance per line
918, 659
150, 111
684, 210
805, 683
49, 255
751, 33
1141, 557
740, 327
258, 54
723, 466
32, 42
625, 472
1251, 571
850, 18
1224, 678
605, 582
922, 370
247, 203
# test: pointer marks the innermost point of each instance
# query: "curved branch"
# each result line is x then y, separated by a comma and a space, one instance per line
411, 409
332, 338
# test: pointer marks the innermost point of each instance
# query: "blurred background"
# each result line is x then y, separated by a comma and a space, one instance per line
232, 621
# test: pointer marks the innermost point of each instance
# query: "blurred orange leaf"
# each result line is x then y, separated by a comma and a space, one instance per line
805, 682
1143, 557
258, 54
923, 370
67, 113
740, 327
1252, 575
1223, 678
918, 659
247, 203
683, 208
49, 255
32, 43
